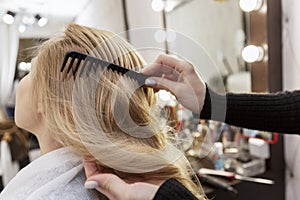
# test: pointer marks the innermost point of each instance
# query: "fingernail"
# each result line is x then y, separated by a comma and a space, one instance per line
150, 82
91, 184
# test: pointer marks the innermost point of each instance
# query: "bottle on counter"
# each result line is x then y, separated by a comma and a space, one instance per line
218, 156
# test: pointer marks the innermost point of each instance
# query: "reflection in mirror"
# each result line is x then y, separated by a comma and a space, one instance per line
220, 29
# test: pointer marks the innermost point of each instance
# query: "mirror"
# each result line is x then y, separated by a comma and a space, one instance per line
219, 26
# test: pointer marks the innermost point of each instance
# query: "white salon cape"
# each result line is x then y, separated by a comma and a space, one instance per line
57, 175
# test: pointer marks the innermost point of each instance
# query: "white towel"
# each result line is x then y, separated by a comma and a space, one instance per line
56, 175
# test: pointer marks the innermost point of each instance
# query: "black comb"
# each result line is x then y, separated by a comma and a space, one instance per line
92, 63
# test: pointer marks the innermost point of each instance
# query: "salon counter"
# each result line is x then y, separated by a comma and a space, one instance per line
250, 190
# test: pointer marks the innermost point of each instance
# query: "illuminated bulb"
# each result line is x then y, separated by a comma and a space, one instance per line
170, 6
8, 18
28, 19
253, 53
22, 28
23, 66
250, 5
43, 21
157, 5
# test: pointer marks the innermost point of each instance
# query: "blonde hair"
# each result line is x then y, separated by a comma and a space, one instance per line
105, 116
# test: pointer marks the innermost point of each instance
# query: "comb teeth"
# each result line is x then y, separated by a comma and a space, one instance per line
91, 64
76, 67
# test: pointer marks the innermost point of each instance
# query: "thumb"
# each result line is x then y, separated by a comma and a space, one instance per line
162, 83
108, 184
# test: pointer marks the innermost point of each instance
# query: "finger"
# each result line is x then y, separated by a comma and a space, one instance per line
90, 168
163, 83
171, 77
157, 70
171, 61
145, 190
110, 185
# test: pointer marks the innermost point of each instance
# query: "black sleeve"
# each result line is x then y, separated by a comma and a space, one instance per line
274, 112
173, 190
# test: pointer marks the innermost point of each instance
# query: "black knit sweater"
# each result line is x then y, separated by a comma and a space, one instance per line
173, 190
275, 112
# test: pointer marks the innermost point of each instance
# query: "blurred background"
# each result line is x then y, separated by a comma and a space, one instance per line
251, 46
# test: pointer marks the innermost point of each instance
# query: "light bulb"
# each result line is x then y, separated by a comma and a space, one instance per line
43, 21
23, 66
8, 18
28, 19
157, 5
253, 53
22, 28
250, 5
170, 6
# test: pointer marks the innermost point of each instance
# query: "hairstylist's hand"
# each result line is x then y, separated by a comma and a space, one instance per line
179, 77
115, 188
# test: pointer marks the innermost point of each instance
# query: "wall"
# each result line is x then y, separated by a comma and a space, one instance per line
291, 73
54, 25
142, 24
103, 14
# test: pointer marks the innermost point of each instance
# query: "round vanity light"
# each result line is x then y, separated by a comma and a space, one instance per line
9, 17
22, 28
252, 53
250, 5
157, 5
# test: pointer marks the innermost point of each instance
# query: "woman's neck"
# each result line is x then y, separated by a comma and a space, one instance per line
47, 146
46, 143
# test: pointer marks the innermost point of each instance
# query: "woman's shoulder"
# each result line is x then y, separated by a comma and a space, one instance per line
57, 175
74, 189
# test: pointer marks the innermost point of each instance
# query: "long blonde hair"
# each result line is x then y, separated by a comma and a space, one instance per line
105, 116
